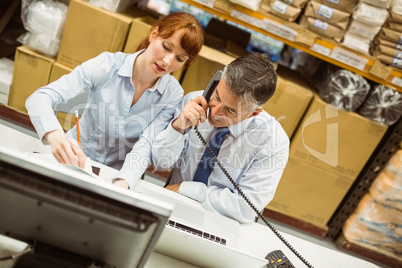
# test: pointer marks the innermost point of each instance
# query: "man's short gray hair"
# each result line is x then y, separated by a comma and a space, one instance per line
252, 78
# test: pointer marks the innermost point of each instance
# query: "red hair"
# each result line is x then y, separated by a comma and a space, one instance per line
192, 38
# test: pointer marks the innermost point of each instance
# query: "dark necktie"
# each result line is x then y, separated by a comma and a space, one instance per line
207, 162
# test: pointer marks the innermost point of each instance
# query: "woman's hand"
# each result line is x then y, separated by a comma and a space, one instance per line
192, 114
64, 150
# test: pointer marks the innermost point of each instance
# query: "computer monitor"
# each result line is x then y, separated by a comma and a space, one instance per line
73, 217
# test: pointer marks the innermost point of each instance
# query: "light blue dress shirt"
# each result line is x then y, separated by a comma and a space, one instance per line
254, 152
112, 132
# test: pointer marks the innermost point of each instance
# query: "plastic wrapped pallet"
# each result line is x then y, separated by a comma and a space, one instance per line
383, 105
44, 21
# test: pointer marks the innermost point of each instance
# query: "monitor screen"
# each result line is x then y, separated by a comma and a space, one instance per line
75, 214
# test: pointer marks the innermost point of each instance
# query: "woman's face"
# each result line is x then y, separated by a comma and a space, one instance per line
165, 55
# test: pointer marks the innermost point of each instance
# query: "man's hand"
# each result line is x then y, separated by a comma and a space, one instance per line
174, 187
192, 114
64, 150
121, 183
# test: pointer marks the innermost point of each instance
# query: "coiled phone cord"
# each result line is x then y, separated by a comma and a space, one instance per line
249, 202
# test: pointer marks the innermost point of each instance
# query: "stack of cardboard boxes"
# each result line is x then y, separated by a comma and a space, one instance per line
328, 150
88, 31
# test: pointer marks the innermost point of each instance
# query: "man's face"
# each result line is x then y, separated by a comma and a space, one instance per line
226, 109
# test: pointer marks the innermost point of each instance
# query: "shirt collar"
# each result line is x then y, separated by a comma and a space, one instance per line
238, 129
126, 70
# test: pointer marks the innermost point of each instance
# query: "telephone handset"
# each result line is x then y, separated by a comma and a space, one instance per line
213, 83
210, 88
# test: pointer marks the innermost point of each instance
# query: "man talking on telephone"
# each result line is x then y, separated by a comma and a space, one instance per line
249, 143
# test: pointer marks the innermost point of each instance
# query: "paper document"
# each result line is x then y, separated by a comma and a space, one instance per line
51, 159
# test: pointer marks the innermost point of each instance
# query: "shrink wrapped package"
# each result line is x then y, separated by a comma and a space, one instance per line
387, 190
338, 87
393, 170
377, 220
44, 21
383, 105
345, 90
382, 223
356, 231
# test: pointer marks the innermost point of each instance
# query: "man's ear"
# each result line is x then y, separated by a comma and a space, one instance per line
255, 112
153, 34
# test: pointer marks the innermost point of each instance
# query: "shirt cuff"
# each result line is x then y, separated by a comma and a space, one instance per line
171, 135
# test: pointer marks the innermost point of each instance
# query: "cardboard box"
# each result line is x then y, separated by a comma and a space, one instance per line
116, 6
203, 69
309, 194
290, 101
335, 141
76, 103
89, 31
58, 71
139, 30
67, 121
31, 71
